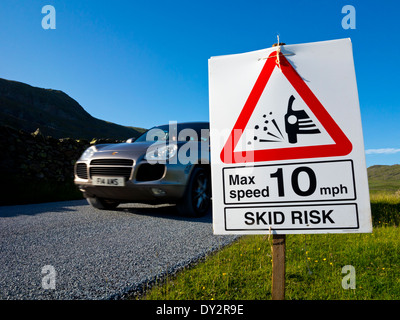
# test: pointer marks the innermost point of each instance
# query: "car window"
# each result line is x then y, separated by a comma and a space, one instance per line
187, 134
154, 134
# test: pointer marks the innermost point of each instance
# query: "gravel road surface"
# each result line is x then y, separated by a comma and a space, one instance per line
95, 254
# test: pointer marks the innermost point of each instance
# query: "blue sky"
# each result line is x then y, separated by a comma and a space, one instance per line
143, 63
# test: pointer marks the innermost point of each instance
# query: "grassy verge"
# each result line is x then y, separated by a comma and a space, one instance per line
381, 186
313, 265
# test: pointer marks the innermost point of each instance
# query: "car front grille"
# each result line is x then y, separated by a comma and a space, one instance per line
111, 167
81, 170
111, 162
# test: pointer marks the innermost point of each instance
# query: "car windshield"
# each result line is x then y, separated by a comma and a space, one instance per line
176, 132
154, 134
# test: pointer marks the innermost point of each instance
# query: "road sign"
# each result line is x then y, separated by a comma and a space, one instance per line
287, 152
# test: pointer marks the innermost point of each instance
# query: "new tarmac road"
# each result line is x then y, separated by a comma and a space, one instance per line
69, 250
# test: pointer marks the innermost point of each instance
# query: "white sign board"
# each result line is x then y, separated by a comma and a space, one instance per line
287, 150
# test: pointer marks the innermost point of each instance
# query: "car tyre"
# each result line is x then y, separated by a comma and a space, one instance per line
197, 199
102, 204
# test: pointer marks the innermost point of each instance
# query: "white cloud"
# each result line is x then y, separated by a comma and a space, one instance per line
382, 151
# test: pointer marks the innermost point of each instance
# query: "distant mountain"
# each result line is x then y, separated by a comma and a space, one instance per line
384, 178
55, 113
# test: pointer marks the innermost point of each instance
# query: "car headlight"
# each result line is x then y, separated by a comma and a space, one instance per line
88, 153
161, 153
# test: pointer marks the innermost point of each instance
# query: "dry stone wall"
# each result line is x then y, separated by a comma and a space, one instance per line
34, 157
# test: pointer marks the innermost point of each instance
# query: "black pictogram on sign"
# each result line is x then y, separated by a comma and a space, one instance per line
298, 122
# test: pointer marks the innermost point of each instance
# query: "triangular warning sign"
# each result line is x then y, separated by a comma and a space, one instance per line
341, 146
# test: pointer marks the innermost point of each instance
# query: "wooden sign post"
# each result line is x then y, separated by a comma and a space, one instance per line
278, 254
278, 266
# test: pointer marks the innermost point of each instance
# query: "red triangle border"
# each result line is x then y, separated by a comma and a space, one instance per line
342, 144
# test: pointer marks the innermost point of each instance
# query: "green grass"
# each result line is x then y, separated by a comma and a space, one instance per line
314, 265
378, 187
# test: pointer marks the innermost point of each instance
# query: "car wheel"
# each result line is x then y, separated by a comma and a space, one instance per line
197, 199
102, 204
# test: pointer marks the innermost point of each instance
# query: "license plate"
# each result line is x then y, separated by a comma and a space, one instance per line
108, 181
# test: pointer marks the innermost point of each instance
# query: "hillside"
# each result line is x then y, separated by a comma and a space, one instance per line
55, 113
384, 178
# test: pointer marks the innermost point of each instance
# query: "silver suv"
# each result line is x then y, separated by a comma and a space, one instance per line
166, 164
